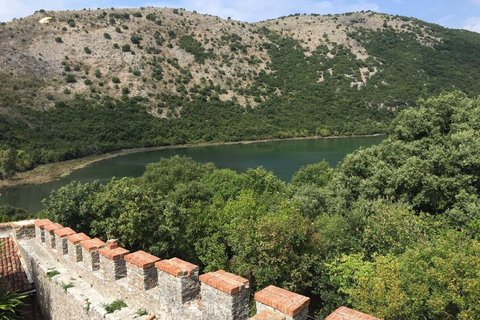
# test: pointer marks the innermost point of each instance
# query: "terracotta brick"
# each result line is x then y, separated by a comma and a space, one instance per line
224, 281
42, 222
141, 259
268, 315
11, 269
77, 237
177, 267
285, 301
112, 243
63, 232
113, 254
92, 244
52, 227
344, 313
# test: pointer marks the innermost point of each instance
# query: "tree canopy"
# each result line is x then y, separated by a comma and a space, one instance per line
393, 231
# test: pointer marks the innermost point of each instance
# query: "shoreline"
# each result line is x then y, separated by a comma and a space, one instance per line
53, 171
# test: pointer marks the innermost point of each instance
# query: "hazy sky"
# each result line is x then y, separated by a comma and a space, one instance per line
453, 14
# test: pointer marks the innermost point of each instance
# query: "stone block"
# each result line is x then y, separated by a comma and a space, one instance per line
39, 229
177, 284
112, 264
292, 305
90, 255
224, 296
74, 247
61, 240
141, 271
49, 235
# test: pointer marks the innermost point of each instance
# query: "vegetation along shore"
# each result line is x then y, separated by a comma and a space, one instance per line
53, 171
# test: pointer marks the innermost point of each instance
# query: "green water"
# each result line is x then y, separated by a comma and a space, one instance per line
282, 157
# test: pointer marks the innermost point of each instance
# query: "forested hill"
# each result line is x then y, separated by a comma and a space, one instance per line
75, 83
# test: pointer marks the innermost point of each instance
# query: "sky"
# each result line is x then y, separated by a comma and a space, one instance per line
459, 14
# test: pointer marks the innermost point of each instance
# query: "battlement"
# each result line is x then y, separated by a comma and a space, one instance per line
169, 289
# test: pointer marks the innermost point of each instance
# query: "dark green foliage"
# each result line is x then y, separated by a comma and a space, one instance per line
136, 39
107, 36
114, 306
393, 231
9, 213
70, 78
10, 301
151, 17
126, 48
121, 16
58, 39
189, 44
87, 50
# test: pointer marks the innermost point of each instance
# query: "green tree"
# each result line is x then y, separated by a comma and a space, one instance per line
437, 280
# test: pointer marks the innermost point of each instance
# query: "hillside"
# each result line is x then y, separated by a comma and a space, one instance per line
75, 83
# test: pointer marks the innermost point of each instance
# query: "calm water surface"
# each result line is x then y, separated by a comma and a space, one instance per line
284, 158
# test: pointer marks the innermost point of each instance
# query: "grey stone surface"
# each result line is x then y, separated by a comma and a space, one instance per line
112, 270
49, 239
174, 293
40, 234
61, 245
96, 281
91, 259
74, 252
142, 279
66, 296
217, 304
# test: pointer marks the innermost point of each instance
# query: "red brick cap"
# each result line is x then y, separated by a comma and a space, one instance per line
92, 244
177, 267
224, 281
268, 315
113, 254
282, 300
141, 259
52, 227
77, 237
42, 222
344, 313
112, 243
63, 232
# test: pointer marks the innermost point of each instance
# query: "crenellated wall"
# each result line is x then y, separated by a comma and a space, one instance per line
92, 274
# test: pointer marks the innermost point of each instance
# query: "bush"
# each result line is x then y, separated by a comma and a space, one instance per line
70, 78
107, 36
115, 80
9, 303
114, 306
151, 17
126, 48
58, 39
87, 50
136, 39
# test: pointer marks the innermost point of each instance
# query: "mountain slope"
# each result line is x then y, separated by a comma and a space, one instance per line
74, 83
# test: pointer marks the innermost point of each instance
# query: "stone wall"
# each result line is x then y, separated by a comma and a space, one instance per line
77, 277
